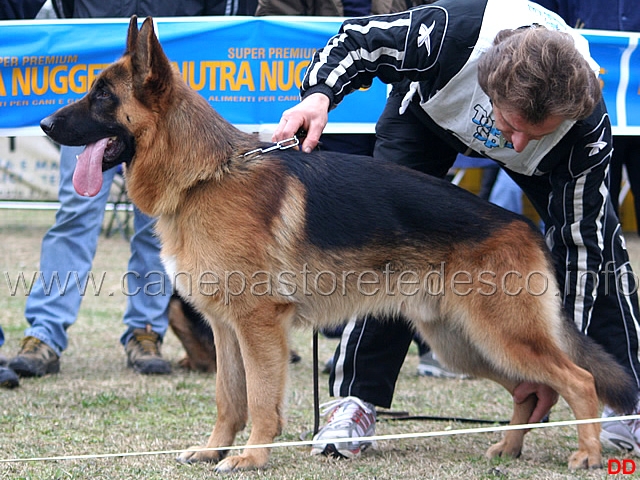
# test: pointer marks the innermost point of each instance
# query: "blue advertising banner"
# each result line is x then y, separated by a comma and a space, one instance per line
249, 68
619, 60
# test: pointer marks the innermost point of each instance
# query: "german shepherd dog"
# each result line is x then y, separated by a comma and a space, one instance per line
196, 337
261, 239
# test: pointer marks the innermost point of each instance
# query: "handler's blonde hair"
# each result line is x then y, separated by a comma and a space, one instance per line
537, 73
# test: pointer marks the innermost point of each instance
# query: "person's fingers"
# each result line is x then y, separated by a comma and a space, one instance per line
542, 409
310, 115
312, 137
546, 398
289, 124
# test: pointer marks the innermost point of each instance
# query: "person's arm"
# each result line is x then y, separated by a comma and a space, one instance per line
577, 208
391, 48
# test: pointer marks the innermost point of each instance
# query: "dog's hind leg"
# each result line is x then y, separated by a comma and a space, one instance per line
458, 353
231, 398
576, 386
263, 338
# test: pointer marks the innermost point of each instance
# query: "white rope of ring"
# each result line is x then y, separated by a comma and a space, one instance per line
302, 443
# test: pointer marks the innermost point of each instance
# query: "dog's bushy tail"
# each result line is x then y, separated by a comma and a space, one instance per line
615, 386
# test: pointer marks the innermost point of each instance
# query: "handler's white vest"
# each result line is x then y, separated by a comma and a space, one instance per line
477, 129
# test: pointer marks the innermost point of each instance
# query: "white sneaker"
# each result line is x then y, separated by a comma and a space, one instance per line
429, 366
622, 435
349, 417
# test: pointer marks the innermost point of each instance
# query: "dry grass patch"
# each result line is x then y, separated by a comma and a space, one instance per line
97, 406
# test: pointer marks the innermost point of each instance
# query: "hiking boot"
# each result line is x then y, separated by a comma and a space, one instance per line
623, 435
349, 418
429, 366
143, 353
35, 359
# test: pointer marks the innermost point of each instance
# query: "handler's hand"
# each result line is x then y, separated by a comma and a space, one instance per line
311, 115
547, 398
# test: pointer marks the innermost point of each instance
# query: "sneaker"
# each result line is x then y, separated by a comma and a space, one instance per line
8, 378
35, 359
349, 418
294, 357
429, 366
623, 435
328, 366
143, 353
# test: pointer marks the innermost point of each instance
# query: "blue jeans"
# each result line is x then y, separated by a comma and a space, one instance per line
68, 249
1, 337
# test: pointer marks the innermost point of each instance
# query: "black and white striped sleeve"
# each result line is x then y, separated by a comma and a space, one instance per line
389, 47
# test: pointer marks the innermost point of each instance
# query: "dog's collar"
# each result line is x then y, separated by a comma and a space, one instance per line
281, 145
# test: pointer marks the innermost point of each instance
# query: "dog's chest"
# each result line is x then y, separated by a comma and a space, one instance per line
170, 265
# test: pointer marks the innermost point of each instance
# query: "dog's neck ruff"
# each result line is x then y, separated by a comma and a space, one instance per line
281, 145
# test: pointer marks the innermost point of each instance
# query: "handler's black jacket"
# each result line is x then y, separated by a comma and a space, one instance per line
437, 47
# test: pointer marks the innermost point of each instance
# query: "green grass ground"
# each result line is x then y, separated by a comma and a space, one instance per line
96, 406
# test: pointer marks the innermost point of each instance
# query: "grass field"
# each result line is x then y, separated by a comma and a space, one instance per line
96, 406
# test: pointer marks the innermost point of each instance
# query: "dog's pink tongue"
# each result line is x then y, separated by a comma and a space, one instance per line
87, 177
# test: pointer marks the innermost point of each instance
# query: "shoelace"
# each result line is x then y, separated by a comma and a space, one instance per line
147, 342
30, 344
342, 410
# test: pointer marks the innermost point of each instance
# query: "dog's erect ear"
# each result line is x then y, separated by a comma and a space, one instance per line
132, 34
152, 71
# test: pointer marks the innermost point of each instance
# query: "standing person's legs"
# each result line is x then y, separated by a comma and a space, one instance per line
368, 360
506, 193
66, 256
373, 345
148, 286
148, 294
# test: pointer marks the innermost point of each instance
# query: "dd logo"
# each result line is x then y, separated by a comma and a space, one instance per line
625, 467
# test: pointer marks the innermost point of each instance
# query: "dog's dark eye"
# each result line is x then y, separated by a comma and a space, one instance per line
103, 94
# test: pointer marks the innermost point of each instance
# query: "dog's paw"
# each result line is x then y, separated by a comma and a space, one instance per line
582, 459
504, 449
200, 455
246, 461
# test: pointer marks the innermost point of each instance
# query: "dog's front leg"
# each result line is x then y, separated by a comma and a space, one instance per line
511, 443
263, 338
231, 398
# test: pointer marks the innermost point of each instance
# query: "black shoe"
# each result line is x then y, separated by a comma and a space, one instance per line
294, 357
8, 378
143, 353
35, 359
